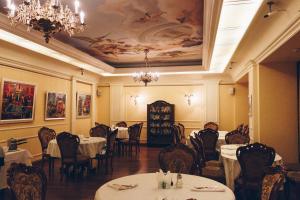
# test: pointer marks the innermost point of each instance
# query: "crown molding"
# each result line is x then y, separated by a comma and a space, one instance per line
212, 13
33, 68
291, 29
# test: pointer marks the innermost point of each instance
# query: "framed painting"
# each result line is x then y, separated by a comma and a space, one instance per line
55, 106
83, 105
17, 101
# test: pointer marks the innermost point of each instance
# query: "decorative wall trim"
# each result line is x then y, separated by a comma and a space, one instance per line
26, 137
33, 126
33, 68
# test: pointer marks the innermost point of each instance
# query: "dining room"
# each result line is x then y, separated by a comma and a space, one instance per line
158, 99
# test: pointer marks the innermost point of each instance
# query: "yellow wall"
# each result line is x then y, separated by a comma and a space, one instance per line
278, 108
241, 104
48, 75
226, 108
103, 105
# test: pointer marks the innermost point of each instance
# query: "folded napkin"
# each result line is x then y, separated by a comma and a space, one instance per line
208, 189
122, 186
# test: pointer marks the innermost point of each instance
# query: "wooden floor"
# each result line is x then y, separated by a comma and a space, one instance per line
85, 189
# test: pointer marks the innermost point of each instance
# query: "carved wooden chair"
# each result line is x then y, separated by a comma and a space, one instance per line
272, 183
27, 182
240, 128
68, 145
177, 158
253, 159
211, 125
209, 137
99, 131
209, 169
45, 135
134, 132
234, 137
182, 133
121, 124
108, 154
176, 134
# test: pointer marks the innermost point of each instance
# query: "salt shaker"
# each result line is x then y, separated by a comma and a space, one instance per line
179, 182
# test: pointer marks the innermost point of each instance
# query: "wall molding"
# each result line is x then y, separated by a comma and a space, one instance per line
33, 68
32, 126
26, 137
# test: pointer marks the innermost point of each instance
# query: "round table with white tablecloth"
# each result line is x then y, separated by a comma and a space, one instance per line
147, 189
89, 146
122, 132
231, 165
17, 156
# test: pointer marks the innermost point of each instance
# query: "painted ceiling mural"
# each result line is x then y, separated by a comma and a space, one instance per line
118, 31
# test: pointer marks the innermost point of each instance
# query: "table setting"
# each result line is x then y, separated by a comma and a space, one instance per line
163, 186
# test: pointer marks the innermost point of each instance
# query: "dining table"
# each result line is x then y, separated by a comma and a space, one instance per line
13, 156
232, 167
145, 187
88, 146
122, 132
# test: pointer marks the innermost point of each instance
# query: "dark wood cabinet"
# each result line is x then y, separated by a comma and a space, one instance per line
160, 118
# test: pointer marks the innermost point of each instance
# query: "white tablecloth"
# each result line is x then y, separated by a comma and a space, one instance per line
88, 146
231, 165
147, 189
19, 156
221, 138
122, 132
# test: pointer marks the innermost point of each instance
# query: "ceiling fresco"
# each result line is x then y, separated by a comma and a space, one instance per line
118, 31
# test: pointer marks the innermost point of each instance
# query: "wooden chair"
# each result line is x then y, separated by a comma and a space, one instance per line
27, 182
240, 128
68, 145
45, 136
234, 137
272, 183
99, 131
121, 124
209, 137
211, 125
134, 132
108, 154
182, 133
253, 159
176, 134
177, 158
205, 168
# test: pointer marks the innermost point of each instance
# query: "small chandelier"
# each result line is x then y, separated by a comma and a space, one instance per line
49, 18
147, 76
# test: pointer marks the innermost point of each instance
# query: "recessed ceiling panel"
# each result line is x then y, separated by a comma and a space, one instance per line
118, 31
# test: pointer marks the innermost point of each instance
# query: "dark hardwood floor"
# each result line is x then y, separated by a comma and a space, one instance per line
85, 188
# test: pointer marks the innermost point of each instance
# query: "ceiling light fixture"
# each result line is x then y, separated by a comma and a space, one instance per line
49, 18
147, 76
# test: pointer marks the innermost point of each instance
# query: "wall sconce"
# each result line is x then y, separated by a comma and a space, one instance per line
135, 99
189, 98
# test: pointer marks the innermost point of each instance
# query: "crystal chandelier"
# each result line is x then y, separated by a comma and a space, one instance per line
147, 76
49, 18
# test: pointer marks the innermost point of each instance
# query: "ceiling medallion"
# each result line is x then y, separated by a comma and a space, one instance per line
49, 18
147, 76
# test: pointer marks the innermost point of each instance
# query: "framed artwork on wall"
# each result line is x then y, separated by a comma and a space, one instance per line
55, 105
83, 105
17, 101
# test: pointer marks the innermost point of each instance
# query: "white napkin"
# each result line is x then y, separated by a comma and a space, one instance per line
122, 186
208, 189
